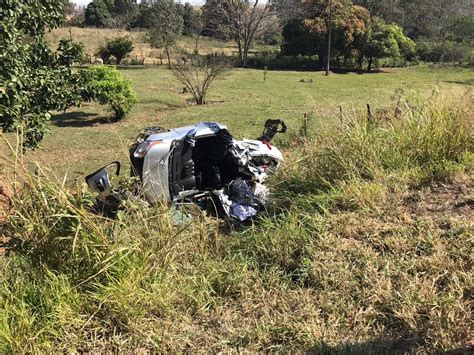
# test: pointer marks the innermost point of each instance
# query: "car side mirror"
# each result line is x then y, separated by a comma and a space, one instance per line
272, 127
99, 181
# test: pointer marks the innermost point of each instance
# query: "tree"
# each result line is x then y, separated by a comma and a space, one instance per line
97, 14
272, 32
290, 10
386, 40
68, 8
421, 18
242, 20
460, 29
142, 18
212, 23
298, 39
329, 31
70, 52
123, 12
119, 48
197, 74
166, 26
192, 22
310, 35
32, 80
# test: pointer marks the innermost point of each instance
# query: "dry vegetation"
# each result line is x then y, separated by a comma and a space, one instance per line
367, 249
93, 38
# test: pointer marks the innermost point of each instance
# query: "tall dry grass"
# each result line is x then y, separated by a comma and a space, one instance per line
349, 258
93, 38
424, 142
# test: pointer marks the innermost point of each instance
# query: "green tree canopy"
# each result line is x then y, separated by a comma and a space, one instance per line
460, 29
419, 18
192, 21
386, 40
212, 21
98, 14
309, 35
142, 18
32, 77
123, 12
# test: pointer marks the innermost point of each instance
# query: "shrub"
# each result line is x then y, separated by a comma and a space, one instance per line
444, 52
118, 48
33, 79
198, 74
106, 86
70, 52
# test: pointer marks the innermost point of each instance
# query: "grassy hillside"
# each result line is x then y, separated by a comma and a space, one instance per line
93, 38
366, 247
81, 140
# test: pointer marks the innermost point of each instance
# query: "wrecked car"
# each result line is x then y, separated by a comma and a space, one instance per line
200, 164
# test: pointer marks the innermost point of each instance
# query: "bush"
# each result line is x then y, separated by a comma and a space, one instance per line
444, 52
274, 61
70, 52
118, 48
106, 86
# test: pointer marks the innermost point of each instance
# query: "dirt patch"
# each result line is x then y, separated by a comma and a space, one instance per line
443, 201
444, 207
466, 350
5, 208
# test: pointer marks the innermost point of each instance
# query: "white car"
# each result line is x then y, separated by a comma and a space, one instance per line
186, 162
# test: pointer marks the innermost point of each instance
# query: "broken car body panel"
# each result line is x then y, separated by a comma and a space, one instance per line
176, 164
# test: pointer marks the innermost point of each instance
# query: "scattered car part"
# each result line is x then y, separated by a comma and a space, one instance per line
99, 181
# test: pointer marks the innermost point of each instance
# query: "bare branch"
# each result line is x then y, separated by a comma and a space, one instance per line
242, 20
197, 74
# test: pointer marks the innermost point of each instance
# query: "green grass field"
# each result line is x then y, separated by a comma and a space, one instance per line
80, 140
366, 247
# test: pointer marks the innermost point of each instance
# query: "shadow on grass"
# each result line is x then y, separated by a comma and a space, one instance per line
134, 67
461, 82
78, 119
379, 347
160, 102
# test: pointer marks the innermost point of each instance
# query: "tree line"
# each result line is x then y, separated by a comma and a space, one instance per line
362, 31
